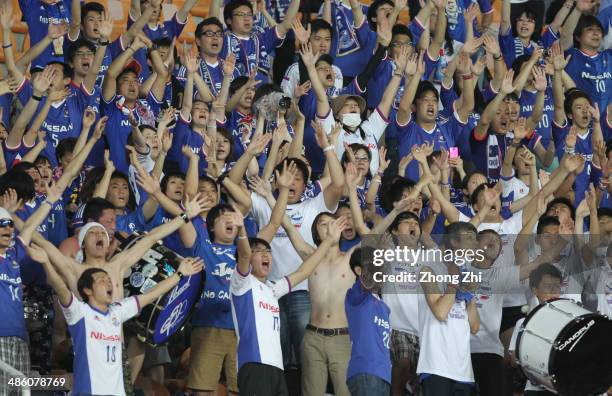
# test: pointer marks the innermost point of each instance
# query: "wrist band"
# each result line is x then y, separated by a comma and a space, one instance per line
398, 74
37, 98
498, 57
328, 148
103, 43
7, 46
185, 217
180, 274
242, 237
375, 180
570, 150
467, 76
515, 145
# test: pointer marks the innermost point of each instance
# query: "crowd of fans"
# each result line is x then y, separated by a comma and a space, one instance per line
275, 154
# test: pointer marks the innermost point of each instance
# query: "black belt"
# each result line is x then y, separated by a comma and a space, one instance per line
328, 332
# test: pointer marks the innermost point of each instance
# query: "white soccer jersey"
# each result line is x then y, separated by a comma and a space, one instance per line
96, 337
257, 318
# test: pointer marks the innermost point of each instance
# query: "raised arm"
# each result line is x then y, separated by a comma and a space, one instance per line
334, 230
256, 147
415, 69
105, 28
439, 35
505, 17
559, 63
38, 254
491, 45
283, 182
333, 192
539, 82
310, 59
567, 31
358, 16
440, 302
129, 257
480, 132
526, 71
40, 84
283, 27
109, 87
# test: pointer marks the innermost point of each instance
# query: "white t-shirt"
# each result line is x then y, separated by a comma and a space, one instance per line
96, 336
445, 345
508, 230
489, 301
402, 297
372, 128
148, 164
292, 77
601, 281
285, 259
256, 317
573, 275
512, 348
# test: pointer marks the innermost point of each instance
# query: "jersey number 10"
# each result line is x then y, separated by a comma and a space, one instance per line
110, 354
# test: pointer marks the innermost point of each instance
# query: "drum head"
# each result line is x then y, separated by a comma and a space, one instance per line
581, 360
177, 308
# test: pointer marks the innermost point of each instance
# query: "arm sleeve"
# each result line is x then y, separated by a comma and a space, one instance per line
368, 72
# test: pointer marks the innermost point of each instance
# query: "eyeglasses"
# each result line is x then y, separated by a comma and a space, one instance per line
7, 223
362, 159
400, 44
243, 14
210, 33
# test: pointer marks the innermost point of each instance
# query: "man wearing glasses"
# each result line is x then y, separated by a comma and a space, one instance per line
253, 50
209, 40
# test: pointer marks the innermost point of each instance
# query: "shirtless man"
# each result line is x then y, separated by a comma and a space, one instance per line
95, 242
326, 346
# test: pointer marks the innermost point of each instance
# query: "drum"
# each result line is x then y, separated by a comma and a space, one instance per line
161, 320
566, 348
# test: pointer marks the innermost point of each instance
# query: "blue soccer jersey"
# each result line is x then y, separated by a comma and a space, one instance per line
370, 332
38, 15
544, 128
592, 74
214, 309
65, 119
11, 294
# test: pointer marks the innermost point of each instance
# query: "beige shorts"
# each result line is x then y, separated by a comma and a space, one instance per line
212, 349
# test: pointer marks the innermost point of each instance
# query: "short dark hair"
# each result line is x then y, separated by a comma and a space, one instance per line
74, 47
20, 181
373, 9
91, 7
94, 208
86, 281
563, 201
230, 7
313, 228
300, 165
572, 96
212, 216
407, 215
66, 70
168, 176
518, 63
544, 269
259, 241
398, 29
585, 22
237, 83
199, 31
604, 212
395, 192
467, 178
126, 71
453, 231
162, 42
207, 179
64, 147
546, 221
320, 24
357, 257
477, 191
423, 88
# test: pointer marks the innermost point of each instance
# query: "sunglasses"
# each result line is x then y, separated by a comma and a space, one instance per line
6, 223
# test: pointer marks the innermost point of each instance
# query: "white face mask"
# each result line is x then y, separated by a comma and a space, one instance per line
351, 120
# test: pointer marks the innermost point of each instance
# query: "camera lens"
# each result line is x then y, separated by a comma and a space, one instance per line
284, 102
